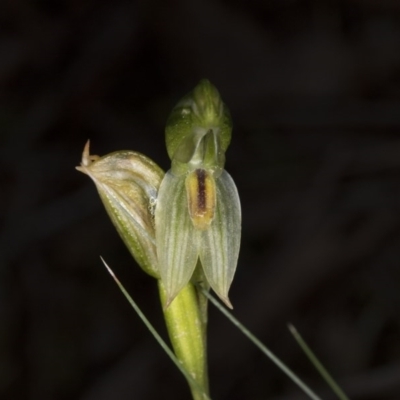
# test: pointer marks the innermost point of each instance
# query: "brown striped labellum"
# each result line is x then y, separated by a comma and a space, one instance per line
201, 196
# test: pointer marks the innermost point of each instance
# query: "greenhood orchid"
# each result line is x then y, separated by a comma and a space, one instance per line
192, 213
198, 214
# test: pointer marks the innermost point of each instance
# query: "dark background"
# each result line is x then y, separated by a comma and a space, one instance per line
314, 91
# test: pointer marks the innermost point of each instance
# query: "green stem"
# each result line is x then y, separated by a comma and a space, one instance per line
317, 364
186, 329
188, 375
285, 369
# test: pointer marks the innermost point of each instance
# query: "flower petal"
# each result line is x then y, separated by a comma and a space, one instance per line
220, 244
176, 239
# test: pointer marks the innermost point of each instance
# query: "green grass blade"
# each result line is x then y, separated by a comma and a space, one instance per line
153, 331
285, 369
317, 364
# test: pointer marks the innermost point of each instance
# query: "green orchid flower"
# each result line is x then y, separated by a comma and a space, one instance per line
198, 214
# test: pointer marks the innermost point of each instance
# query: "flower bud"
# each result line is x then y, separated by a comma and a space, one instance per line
128, 183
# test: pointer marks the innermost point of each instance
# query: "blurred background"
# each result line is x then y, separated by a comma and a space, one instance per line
314, 92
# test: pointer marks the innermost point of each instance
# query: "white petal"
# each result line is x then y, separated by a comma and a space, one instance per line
220, 244
176, 239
